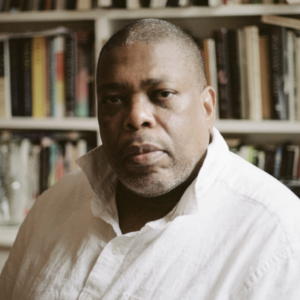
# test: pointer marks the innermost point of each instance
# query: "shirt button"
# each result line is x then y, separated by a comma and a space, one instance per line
116, 251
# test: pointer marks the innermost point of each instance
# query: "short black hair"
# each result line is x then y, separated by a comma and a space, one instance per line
158, 31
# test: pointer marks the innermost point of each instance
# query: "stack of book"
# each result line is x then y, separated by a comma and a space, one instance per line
256, 76
28, 167
47, 74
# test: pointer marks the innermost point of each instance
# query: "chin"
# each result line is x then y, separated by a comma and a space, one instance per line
148, 187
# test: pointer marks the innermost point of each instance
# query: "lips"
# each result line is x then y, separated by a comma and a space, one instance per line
143, 155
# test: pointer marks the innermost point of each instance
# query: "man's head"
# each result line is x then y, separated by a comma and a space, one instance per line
154, 109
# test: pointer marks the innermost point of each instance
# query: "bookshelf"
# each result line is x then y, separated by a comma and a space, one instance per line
199, 21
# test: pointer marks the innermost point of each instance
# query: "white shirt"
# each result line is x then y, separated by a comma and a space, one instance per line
235, 234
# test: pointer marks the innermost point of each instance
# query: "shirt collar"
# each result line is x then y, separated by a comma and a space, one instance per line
103, 182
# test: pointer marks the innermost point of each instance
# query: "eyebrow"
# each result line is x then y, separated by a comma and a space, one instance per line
122, 85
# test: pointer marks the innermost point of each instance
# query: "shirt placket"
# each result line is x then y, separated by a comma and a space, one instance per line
106, 266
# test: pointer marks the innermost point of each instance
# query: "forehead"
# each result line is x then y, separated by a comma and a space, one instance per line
144, 60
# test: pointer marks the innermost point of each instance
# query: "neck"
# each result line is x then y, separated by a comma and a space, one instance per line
135, 210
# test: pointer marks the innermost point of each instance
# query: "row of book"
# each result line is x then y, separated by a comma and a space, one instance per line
28, 167
48, 73
280, 161
48, 5
257, 76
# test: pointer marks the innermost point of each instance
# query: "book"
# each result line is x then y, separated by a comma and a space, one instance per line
16, 77
223, 71
244, 105
83, 5
265, 76
82, 80
253, 72
2, 82
27, 85
297, 70
38, 59
233, 48
106, 3
70, 74
7, 78
211, 68
60, 101
289, 82
44, 163
281, 21
279, 73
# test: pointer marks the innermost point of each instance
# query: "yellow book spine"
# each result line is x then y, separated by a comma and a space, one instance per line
39, 77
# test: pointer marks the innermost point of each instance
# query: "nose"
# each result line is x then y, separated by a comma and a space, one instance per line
139, 114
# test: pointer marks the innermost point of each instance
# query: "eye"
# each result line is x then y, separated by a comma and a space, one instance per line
163, 95
113, 99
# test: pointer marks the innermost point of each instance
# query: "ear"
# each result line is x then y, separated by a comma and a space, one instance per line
208, 98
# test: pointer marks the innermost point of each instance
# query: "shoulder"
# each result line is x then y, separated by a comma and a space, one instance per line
266, 197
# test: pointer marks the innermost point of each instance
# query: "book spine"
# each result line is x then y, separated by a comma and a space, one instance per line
289, 82
7, 78
70, 75
253, 72
297, 59
223, 69
243, 75
60, 76
235, 73
27, 77
52, 76
2, 83
82, 80
265, 75
278, 59
38, 59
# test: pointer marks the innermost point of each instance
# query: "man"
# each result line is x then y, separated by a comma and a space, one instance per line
162, 210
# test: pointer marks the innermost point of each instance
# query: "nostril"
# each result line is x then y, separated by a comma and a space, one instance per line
146, 124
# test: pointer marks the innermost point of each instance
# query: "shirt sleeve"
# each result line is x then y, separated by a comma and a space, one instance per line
279, 283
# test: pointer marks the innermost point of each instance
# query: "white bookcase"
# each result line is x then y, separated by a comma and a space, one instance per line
199, 21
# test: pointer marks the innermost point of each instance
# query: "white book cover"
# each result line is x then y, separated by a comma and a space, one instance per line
84, 4
243, 74
104, 3
253, 72
133, 4
289, 81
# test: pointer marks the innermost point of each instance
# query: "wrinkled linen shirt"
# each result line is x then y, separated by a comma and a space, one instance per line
235, 234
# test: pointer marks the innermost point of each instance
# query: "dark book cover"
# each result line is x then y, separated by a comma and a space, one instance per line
145, 3
287, 166
200, 2
14, 5
172, 3
70, 4
44, 168
70, 74
6, 6
223, 71
279, 72
119, 3
270, 160
92, 100
16, 77
235, 73
27, 77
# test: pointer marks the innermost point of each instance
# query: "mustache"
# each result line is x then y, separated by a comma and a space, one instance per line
140, 139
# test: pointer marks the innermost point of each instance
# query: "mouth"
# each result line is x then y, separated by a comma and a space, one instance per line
143, 155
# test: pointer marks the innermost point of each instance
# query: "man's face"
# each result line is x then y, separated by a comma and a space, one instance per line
154, 120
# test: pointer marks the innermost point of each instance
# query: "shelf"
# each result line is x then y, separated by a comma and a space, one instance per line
91, 124
252, 127
118, 14
8, 235
88, 124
